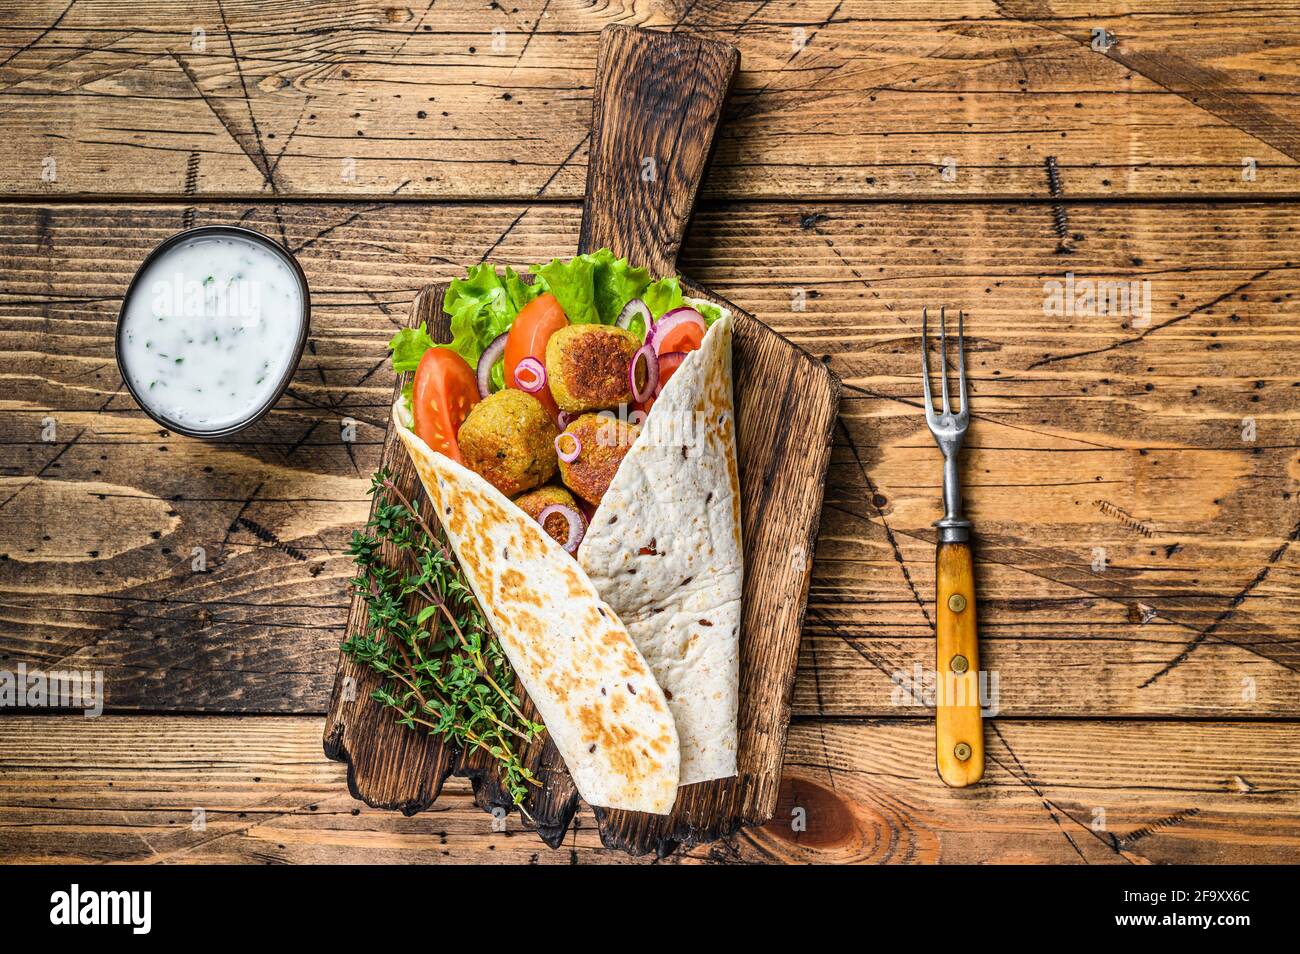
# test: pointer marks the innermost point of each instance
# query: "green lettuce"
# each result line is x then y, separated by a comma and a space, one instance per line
483, 306
408, 347
592, 288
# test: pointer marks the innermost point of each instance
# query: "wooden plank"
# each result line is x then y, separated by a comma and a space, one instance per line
838, 98
1137, 448
133, 789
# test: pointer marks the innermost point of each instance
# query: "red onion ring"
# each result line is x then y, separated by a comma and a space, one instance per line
577, 526
671, 319
631, 310
533, 375
490, 356
651, 373
566, 456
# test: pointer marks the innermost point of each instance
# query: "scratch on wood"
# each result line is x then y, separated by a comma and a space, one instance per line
889, 533
1026, 779
1052, 359
40, 36
1203, 87
1228, 612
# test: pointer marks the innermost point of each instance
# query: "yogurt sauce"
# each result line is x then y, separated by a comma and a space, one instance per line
210, 330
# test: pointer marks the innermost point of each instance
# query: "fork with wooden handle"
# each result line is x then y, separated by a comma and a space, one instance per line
959, 731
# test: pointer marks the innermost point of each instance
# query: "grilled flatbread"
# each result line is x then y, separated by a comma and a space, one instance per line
664, 551
599, 700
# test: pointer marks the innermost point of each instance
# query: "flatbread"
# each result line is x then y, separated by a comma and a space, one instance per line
664, 551
599, 700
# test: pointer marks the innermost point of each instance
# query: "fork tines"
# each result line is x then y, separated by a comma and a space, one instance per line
963, 415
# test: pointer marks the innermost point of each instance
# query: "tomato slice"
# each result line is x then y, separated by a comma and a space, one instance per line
669, 362
445, 390
686, 336
533, 327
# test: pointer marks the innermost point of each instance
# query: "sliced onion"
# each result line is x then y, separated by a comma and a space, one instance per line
490, 356
565, 419
530, 375
568, 456
577, 526
672, 319
636, 307
651, 373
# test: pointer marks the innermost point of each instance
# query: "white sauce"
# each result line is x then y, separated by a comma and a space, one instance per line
210, 330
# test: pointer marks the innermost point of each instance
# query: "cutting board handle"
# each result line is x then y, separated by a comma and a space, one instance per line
658, 103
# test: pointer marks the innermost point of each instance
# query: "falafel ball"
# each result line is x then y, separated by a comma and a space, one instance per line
509, 439
605, 440
535, 501
587, 366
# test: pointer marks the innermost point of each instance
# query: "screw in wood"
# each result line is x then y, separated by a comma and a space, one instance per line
959, 663
1059, 220
962, 751
956, 602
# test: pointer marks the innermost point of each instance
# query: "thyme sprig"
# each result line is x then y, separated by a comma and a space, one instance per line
444, 671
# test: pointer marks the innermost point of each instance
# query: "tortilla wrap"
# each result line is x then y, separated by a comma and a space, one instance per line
664, 551
593, 689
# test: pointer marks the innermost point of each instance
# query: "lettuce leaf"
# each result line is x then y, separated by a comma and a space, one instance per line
708, 309
482, 306
408, 347
593, 288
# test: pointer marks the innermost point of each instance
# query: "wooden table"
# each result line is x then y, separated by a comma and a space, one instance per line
1133, 478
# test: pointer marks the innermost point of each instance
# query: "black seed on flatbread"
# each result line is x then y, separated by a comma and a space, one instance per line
705, 622
631, 689
593, 747
668, 695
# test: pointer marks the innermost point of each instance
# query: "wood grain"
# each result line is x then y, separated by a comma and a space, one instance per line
1137, 448
368, 99
152, 789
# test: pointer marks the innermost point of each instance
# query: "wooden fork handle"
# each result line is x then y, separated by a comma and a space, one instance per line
959, 729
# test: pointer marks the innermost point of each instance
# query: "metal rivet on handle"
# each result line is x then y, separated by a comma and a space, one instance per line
959, 663
962, 751
956, 602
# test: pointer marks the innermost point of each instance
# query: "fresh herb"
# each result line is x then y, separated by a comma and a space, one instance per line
444, 671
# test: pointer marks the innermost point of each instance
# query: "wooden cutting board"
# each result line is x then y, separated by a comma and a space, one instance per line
658, 103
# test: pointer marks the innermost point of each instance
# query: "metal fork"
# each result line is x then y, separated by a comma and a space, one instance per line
959, 729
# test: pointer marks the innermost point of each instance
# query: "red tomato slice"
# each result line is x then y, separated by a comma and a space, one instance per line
669, 362
686, 336
533, 327
445, 390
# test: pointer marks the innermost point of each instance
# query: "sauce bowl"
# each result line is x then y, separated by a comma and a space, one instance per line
200, 312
